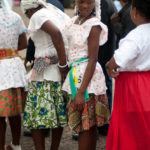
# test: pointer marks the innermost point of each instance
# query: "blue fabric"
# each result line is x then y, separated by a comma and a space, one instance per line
56, 3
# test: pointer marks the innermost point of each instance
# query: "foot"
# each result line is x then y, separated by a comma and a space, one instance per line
13, 147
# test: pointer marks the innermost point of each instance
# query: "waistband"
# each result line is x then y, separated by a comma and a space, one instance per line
72, 82
8, 53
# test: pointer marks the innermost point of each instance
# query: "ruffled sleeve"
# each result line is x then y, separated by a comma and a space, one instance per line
95, 22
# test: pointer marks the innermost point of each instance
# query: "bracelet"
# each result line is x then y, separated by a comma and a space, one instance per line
64, 66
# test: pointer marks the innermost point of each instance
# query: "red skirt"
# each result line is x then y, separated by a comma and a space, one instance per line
130, 122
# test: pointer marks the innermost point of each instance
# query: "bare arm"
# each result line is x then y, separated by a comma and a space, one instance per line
22, 42
93, 47
57, 40
111, 67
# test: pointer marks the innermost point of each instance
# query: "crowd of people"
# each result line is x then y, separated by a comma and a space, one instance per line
70, 81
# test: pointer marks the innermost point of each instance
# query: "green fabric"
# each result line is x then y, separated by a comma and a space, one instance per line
72, 84
45, 106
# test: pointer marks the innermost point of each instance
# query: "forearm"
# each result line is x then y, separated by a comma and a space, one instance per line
111, 64
60, 48
57, 40
22, 41
88, 75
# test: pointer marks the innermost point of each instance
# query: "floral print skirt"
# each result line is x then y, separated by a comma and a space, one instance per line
12, 102
45, 106
95, 113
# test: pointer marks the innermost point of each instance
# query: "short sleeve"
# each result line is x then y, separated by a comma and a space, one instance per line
128, 50
37, 20
104, 33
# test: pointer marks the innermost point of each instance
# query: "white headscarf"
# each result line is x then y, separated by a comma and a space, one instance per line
6, 4
28, 4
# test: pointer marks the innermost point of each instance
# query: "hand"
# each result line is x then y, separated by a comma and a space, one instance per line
79, 101
64, 72
112, 73
115, 18
53, 60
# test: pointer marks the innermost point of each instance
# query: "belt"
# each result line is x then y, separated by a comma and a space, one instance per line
8, 53
72, 80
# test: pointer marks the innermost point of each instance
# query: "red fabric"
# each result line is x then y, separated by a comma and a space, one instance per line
130, 122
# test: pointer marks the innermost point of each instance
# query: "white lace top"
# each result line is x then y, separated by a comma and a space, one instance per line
12, 71
77, 36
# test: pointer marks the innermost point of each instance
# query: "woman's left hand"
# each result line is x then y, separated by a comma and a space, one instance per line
79, 101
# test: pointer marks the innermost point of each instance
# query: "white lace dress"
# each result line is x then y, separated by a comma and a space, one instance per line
12, 71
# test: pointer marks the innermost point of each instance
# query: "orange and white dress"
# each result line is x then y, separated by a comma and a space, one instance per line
77, 37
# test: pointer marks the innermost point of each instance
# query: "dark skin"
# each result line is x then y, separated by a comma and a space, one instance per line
55, 34
57, 39
138, 19
87, 139
22, 42
15, 122
93, 46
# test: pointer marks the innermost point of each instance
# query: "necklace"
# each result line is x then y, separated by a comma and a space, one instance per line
82, 19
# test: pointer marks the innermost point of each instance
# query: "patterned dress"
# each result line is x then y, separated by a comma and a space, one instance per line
12, 70
96, 109
46, 102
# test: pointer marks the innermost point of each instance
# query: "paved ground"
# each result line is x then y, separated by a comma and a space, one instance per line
66, 143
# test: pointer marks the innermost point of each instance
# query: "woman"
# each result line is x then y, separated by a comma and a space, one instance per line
12, 83
130, 123
45, 105
85, 82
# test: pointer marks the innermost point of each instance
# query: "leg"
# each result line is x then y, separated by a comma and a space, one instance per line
38, 138
56, 137
2, 132
94, 138
15, 125
87, 139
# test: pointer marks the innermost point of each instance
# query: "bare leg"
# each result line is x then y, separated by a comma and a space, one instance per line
2, 132
56, 137
38, 138
93, 137
15, 125
87, 139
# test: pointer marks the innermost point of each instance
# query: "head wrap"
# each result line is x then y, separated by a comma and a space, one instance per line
29, 4
6, 4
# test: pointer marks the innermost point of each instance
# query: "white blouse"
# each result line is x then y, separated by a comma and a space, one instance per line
12, 71
43, 42
134, 50
77, 36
